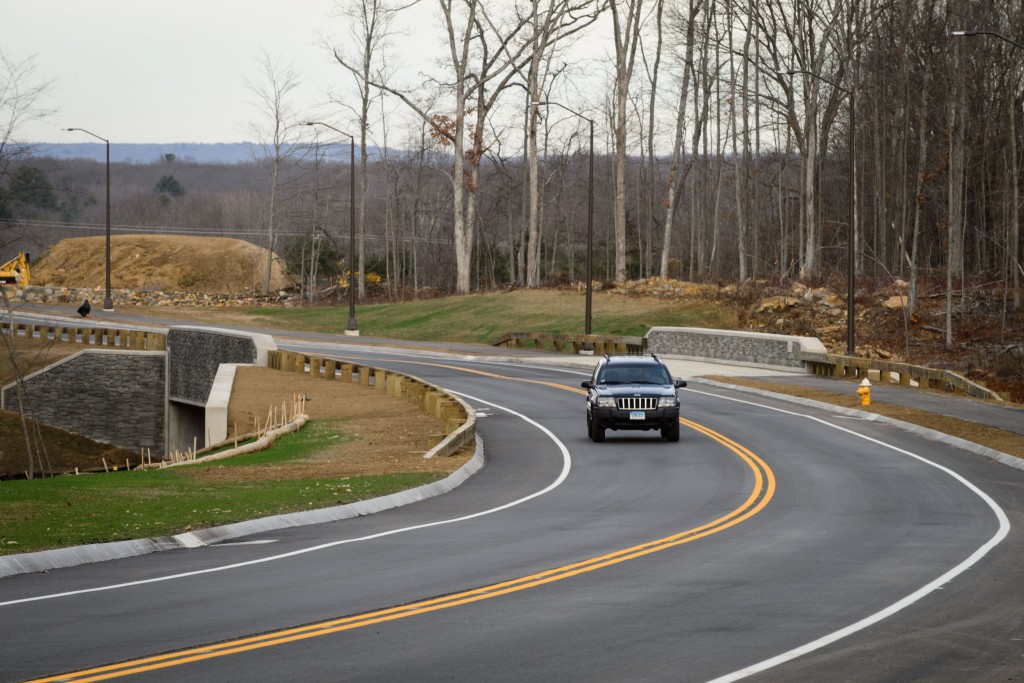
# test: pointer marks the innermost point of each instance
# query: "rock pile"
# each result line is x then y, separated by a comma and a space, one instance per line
138, 297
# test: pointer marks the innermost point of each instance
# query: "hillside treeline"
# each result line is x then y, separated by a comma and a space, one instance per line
733, 139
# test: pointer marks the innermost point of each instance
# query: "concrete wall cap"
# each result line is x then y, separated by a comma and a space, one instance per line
806, 343
263, 342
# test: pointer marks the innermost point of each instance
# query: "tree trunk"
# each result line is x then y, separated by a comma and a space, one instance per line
677, 177
627, 38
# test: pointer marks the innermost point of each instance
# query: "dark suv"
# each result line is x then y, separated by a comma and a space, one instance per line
632, 392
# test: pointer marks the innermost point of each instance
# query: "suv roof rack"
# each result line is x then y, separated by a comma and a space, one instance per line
642, 354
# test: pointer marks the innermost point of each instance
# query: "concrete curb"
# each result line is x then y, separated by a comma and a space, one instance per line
955, 441
46, 560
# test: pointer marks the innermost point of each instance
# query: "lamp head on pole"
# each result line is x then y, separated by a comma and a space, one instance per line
87, 132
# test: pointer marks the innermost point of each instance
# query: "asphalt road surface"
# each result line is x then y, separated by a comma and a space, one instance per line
770, 543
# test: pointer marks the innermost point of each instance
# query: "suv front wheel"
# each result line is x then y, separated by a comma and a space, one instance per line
671, 433
595, 430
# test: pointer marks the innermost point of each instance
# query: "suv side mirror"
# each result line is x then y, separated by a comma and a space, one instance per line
587, 384
680, 383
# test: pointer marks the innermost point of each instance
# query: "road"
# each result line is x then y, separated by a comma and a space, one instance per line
772, 542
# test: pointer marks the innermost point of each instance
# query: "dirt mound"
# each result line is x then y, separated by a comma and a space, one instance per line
160, 262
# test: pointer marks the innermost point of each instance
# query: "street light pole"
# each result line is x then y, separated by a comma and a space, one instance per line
588, 315
1000, 36
352, 329
850, 284
108, 303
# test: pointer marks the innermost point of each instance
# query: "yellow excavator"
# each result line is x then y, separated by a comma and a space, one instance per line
15, 271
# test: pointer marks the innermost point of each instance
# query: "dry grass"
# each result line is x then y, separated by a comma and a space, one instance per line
382, 434
991, 437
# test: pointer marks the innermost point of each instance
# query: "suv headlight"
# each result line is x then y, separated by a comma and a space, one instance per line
605, 401
668, 402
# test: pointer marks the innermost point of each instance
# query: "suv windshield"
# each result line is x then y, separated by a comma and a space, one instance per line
634, 374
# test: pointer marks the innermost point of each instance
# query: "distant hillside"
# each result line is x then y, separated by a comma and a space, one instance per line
148, 153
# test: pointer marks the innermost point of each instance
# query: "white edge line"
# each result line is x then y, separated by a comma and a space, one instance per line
1001, 533
566, 467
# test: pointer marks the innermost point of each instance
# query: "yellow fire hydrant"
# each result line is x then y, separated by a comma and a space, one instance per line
864, 391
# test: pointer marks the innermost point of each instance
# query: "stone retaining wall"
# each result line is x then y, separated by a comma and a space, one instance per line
114, 397
196, 354
727, 346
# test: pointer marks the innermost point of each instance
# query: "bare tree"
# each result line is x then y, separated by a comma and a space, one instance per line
551, 27
626, 22
460, 32
21, 102
474, 66
653, 71
370, 27
811, 31
956, 125
276, 132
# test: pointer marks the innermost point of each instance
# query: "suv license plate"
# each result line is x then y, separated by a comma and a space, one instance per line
637, 415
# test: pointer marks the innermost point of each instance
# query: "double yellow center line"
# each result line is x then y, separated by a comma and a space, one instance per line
761, 493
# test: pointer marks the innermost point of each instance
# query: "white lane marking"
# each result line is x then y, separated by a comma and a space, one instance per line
566, 467
937, 584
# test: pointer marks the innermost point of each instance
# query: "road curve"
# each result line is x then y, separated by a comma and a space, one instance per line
739, 551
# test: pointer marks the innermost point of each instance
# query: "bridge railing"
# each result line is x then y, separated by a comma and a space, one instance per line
904, 374
570, 343
135, 340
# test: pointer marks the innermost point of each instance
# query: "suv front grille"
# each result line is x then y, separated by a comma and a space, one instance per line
633, 403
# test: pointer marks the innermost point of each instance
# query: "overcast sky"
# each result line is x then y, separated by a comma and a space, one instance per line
176, 70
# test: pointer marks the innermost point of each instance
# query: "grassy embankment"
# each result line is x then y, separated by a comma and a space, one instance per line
96, 508
476, 318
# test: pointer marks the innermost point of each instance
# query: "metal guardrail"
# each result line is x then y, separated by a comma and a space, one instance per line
904, 374
459, 418
571, 343
134, 340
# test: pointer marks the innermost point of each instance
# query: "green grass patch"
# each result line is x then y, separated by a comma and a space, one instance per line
316, 435
98, 508
476, 318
